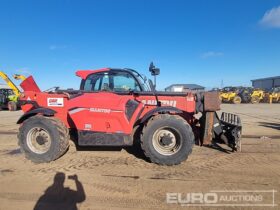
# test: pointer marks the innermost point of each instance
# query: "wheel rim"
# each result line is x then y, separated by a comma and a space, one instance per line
237, 100
38, 140
167, 141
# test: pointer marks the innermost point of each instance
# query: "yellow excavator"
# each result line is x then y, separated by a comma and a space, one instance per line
9, 96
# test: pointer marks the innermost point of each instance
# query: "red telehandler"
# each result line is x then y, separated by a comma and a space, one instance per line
120, 107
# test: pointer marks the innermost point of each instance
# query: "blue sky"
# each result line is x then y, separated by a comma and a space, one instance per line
197, 41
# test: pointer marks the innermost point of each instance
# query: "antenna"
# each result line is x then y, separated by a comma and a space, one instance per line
222, 84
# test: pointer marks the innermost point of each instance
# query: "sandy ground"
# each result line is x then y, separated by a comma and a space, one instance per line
122, 178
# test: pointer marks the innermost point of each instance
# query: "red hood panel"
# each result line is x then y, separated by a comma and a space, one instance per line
30, 85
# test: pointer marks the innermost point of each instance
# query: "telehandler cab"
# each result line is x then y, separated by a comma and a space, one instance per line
119, 107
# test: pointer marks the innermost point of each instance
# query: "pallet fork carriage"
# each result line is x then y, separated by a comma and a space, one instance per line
226, 130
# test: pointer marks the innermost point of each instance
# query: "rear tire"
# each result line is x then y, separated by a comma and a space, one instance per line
12, 106
43, 139
167, 139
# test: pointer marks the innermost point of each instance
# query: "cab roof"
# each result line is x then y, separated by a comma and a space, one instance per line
84, 73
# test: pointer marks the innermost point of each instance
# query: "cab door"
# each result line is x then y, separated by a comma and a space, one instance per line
108, 105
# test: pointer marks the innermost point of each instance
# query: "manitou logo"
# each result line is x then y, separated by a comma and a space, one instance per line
107, 111
163, 102
55, 102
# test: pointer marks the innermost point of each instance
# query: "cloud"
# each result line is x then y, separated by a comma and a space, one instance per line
271, 18
57, 47
211, 54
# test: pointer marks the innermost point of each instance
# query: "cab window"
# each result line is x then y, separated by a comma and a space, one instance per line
97, 82
124, 82
113, 81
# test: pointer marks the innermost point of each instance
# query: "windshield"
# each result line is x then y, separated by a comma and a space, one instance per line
116, 81
142, 79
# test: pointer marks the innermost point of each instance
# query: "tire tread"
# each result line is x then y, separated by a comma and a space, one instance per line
63, 139
148, 154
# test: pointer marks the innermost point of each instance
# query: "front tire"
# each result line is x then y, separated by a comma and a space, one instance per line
43, 139
167, 139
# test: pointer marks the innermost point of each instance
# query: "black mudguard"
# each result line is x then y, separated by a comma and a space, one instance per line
43, 111
163, 109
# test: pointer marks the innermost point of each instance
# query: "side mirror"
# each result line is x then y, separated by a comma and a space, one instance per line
154, 71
